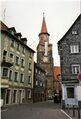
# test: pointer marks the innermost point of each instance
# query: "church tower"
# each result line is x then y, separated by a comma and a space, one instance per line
44, 56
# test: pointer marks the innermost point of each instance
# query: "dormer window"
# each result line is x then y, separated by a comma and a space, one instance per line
19, 37
12, 43
12, 32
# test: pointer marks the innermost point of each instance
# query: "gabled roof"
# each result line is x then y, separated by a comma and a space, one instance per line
79, 17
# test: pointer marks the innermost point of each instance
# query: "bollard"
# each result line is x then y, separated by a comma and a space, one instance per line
78, 113
68, 107
73, 111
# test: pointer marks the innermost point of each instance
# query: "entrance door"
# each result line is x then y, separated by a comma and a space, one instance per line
20, 96
15, 96
3, 92
70, 92
7, 96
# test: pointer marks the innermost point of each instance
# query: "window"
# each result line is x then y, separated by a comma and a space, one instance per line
74, 32
70, 92
22, 62
75, 69
40, 83
4, 55
29, 66
17, 60
23, 50
11, 57
18, 48
29, 80
10, 75
36, 82
7, 96
74, 48
30, 55
29, 94
39, 72
12, 43
5, 72
43, 84
22, 78
36, 70
16, 76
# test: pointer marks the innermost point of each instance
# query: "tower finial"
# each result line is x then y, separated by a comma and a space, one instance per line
44, 27
43, 14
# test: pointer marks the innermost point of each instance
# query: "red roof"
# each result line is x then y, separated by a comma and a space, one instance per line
56, 72
44, 27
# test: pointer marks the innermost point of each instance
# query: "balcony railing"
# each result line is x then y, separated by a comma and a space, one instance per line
69, 78
6, 61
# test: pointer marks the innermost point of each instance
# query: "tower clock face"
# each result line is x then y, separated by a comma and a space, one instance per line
45, 59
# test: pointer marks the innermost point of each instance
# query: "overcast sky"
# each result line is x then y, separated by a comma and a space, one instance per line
26, 16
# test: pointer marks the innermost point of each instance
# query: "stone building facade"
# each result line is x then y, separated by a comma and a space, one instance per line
70, 60
17, 65
39, 84
44, 56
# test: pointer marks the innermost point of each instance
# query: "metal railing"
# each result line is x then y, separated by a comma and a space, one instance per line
73, 110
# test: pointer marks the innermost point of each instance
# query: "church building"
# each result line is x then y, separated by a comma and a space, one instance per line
44, 56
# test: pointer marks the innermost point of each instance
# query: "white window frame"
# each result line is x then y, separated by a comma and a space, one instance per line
22, 78
74, 68
74, 48
22, 62
74, 32
11, 58
18, 60
36, 83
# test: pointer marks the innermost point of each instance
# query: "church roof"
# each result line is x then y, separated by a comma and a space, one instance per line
44, 27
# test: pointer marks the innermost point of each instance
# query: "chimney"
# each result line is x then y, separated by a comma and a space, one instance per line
12, 30
24, 40
18, 35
